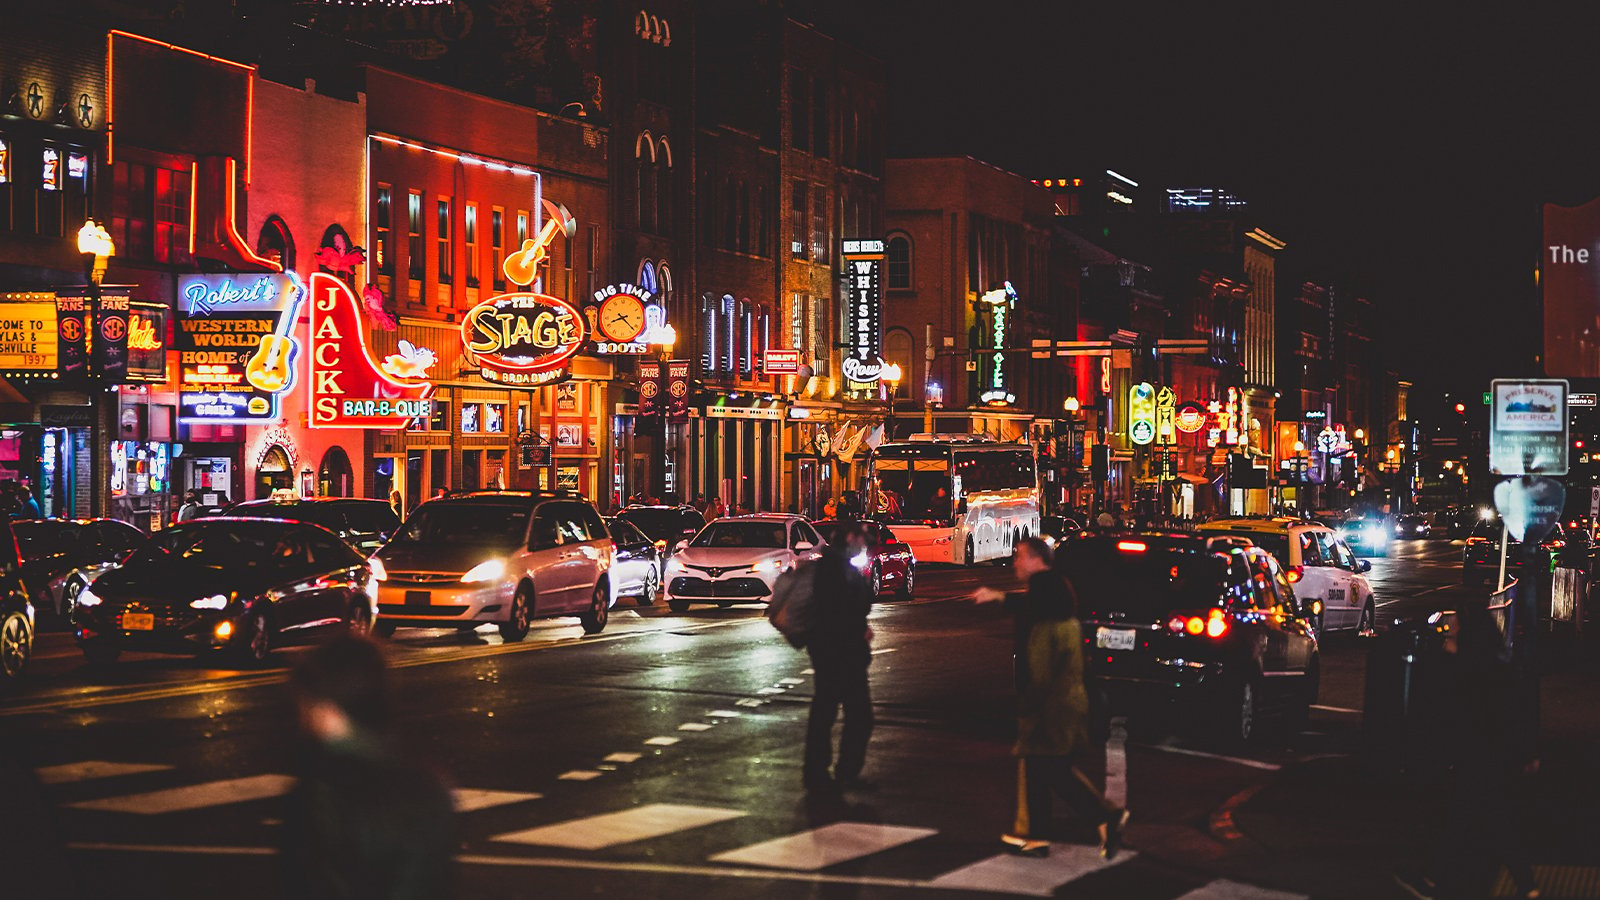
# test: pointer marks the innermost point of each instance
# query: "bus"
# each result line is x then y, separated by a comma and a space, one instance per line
956, 498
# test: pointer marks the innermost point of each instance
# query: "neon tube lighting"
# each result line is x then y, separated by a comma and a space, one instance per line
1122, 178
493, 166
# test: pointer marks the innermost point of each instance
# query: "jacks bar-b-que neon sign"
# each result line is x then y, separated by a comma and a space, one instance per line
349, 389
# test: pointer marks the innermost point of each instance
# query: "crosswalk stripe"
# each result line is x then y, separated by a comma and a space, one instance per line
1223, 889
1035, 877
90, 769
823, 847
469, 799
625, 827
195, 796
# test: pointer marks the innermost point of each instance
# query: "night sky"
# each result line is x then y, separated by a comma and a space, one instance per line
1406, 150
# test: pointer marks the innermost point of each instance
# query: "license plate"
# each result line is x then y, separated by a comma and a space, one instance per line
418, 598
138, 621
1114, 639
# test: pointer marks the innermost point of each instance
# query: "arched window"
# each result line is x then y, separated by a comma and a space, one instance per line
335, 478
898, 252
900, 348
664, 293
663, 176
644, 156
647, 275
274, 242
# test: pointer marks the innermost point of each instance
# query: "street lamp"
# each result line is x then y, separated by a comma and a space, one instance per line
97, 248
1071, 404
891, 375
1361, 434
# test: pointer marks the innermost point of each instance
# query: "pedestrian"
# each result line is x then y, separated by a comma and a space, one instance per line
363, 820
1492, 727
830, 510
191, 506
398, 504
1052, 707
840, 644
1105, 521
699, 503
715, 509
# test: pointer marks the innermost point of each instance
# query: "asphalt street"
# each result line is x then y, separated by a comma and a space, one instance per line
662, 759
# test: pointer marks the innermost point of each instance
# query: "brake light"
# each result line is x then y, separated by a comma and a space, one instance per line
1216, 626
1294, 573
1132, 546
1175, 624
1195, 625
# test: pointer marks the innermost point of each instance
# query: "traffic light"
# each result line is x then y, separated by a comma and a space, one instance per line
1100, 462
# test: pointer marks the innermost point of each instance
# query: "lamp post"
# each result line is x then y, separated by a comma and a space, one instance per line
891, 376
667, 336
97, 248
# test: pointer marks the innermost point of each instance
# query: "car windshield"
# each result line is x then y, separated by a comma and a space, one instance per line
40, 539
220, 545
765, 535
908, 496
1143, 584
662, 524
315, 513
476, 524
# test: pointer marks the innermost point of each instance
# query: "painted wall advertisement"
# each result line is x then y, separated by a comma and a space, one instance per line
236, 353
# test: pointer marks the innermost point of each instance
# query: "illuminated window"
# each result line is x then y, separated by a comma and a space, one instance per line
414, 255
471, 227
77, 170
522, 229
469, 418
497, 239
50, 170
5, 162
172, 215
898, 252
382, 225
442, 238
494, 417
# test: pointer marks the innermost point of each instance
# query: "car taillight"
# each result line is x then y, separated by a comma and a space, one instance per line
1214, 624
1132, 546
1294, 573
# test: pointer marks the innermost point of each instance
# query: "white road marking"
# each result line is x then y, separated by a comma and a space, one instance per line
195, 796
608, 830
694, 726
1117, 763
624, 757
886, 650
808, 671
1034, 877
771, 690
825, 846
724, 714
1236, 760
90, 769
1337, 709
468, 799
662, 741
1223, 889
792, 681
750, 701
579, 775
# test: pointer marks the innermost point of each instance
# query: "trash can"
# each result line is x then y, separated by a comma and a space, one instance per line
1404, 681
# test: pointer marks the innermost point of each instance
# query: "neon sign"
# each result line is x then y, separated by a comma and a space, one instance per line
525, 339
236, 356
1000, 302
1142, 413
348, 388
1190, 418
1166, 425
863, 262
207, 294
628, 319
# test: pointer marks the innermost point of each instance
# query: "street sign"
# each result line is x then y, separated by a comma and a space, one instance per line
1530, 506
1587, 399
1528, 427
1594, 503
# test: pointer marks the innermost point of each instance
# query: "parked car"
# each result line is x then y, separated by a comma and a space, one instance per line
1480, 558
636, 569
365, 525
1219, 634
665, 525
61, 556
887, 561
737, 559
17, 623
241, 586
501, 557
1322, 568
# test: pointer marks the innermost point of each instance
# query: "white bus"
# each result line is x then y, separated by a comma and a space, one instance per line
956, 498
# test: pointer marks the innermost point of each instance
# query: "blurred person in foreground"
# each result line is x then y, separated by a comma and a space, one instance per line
1052, 705
364, 821
840, 644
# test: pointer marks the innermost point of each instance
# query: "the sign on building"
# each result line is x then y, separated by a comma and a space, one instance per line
1528, 427
73, 323
1190, 418
526, 339
1001, 302
626, 320
236, 351
863, 265
28, 339
110, 349
650, 387
147, 341
676, 388
1142, 413
1166, 416
349, 388
780, 362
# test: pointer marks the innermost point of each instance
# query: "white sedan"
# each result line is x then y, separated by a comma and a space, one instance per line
736, 560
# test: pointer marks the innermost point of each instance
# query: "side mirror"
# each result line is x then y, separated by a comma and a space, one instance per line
1364, 565
802, 546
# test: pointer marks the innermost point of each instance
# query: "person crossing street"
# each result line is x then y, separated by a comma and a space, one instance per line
840, 644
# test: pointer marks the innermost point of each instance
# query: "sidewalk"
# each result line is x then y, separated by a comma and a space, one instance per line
1346, 829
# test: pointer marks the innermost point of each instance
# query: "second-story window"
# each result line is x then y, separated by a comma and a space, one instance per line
471, 228
820, 238
414, 252
442, 238
497, 236
800, 111
899, 260
799, 210
382, 225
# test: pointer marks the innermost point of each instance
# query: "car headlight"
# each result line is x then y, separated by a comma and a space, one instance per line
379, 572
488, 570
768, 565
87, 597
862, 561
215, 601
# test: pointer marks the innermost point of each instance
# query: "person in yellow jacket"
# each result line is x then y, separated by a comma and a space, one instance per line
1052, 705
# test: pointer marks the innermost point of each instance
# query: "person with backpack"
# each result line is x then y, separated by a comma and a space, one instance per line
840, 644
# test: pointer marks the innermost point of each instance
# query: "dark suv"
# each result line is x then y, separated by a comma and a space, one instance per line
1217, 632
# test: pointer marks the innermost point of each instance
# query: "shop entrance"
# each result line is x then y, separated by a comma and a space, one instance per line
336, 478
274, 473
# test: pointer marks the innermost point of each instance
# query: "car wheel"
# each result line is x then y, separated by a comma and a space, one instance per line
360, 621
678, 606
971, 557
383, 629
69, 596
1367, 625
594, 621
517, 622
652, 589
258, 649
877, 582
1240, 716
16, 645
907, 583
99, 653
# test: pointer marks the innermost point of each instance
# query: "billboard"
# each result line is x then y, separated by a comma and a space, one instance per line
1569, 276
